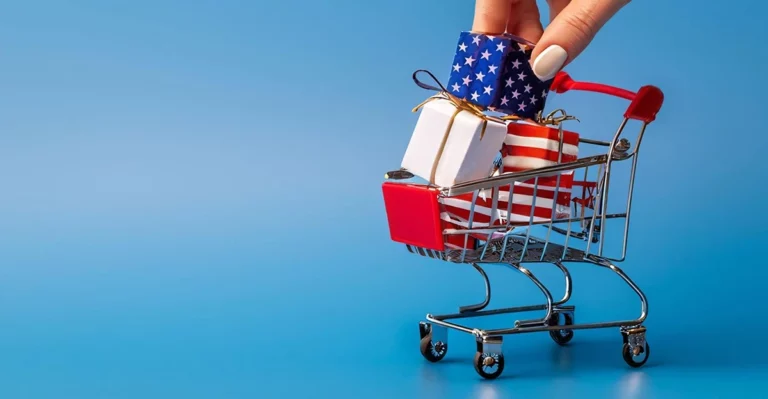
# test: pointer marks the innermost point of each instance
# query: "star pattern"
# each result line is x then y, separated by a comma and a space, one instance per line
525, 93
495, 72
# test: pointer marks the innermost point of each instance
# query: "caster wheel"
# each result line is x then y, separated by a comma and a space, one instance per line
433, 351
639, 352
561, 337
489, 365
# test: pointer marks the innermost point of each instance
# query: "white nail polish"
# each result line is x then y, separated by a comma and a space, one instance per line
549, 62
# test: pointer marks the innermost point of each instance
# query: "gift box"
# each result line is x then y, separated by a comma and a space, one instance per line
456, 210
452, 144
532, 146
494, 72
527, 146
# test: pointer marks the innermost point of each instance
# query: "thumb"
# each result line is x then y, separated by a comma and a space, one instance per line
570, 33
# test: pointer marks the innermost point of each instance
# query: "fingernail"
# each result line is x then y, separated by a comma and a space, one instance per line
549, 62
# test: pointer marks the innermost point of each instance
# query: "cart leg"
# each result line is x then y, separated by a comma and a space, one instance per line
482, 305
568, 284
434, 341
489, 359
643, 300
562, 316
534, 322
635, 350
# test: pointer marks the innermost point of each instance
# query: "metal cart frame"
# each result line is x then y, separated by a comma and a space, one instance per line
590, 211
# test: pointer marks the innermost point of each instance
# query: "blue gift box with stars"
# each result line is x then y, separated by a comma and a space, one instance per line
495, 73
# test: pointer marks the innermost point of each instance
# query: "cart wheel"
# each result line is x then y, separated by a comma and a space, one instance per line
489, 365
561, 337
631, 358
433, 351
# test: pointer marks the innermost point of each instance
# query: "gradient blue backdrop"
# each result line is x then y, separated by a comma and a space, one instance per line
190, 204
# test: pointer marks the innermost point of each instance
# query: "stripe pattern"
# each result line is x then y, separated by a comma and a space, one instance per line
526, 147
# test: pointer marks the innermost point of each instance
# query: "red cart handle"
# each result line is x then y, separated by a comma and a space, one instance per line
644, 106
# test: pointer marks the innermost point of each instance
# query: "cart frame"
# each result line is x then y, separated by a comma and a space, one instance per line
514, 249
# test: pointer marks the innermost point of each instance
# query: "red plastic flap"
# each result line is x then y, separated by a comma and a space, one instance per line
413, 214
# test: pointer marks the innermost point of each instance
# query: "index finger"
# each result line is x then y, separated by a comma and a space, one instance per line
491, 16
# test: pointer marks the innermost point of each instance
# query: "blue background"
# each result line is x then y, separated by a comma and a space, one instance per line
190, 204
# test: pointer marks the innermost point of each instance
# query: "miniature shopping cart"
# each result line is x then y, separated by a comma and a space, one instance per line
414, 216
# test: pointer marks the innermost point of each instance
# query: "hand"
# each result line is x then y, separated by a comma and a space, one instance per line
573, 25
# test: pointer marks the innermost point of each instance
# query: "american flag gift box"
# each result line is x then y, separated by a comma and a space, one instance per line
532, 146
526, 146
494, 72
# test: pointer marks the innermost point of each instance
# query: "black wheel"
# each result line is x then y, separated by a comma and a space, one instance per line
561, 337
489, 365
433, 351
631, 358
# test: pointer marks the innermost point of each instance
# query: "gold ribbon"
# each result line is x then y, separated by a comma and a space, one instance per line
551, 119
460, 104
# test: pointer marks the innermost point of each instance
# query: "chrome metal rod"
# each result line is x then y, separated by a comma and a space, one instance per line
491, 312
568, 284
532, 218
537, 328
594, 142
467, 330
643, 300
517, 309
555, 198
599, 262
543, 289
586, 326
631, 190
604, 207
597, 209
507, 178
486, 230
484, 304
523, 329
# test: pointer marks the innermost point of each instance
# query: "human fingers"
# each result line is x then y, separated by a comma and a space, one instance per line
491, 16
525, 20
555, 7
570, 32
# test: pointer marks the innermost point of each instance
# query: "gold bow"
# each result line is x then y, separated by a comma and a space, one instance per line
464, 105
551, 118
461, 105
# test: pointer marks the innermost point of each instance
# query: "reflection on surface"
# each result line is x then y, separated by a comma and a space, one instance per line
632, 385
488, 390
563, 358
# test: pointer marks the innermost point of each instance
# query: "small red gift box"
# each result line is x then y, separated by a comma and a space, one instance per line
529, 146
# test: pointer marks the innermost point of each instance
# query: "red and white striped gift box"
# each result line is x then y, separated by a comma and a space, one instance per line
526, 146
529, 146
455, 214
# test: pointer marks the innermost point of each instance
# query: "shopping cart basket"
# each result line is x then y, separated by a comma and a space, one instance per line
414, 215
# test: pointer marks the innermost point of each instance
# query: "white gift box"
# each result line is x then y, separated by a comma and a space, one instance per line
449, 148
